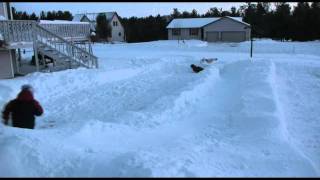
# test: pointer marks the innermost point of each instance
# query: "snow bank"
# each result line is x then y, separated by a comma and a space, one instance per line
144, 113
74, 80
190, 98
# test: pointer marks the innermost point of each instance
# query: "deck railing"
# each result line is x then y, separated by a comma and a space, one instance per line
69, 31
21, 30
76, 53
17, 30
31, 31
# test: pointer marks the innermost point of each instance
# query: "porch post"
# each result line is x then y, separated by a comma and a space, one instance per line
18, 61
36, 57
35, 46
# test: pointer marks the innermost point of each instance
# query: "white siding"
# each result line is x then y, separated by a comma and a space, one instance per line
117, 31
6, 66
184, 34
226, 24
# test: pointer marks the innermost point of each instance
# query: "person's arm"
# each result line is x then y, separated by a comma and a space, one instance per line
38, 109
6, 112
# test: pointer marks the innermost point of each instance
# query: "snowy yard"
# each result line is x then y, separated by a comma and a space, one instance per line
144, 113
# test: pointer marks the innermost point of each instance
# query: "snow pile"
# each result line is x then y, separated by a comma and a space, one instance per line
190, 97
144, 113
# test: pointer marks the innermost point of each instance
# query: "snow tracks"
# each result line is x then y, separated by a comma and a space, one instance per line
237, 129
297, 85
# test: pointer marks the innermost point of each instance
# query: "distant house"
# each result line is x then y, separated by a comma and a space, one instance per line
225, 29
117, 30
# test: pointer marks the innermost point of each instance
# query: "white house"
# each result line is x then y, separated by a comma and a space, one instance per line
117, 29
225, 29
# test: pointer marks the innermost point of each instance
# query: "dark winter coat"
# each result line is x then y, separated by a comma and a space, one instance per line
23, 110
195, 68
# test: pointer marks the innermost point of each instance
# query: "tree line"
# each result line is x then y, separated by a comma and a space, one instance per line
300, 23
49, 15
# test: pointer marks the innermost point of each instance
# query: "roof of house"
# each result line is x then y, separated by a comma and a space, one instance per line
77, 17
60, 22
238, 19
190, 22
93, 16
198, 22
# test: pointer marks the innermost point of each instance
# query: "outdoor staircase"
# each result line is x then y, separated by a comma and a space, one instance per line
65, 54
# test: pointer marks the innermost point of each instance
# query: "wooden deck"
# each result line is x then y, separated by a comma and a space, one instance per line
64, 42
21, 33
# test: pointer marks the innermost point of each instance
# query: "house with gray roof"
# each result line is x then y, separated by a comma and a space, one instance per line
215, 29
117, 29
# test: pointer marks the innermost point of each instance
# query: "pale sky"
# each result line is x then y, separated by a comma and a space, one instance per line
124, 9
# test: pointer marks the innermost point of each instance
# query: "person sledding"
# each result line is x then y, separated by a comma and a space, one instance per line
204, 63
195, 68
23, 109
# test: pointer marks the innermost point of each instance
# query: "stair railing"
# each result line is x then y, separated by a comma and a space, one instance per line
17, 31
74, 52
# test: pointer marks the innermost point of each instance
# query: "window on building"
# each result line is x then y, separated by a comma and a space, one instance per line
119, 33
115, 23
176, 32
194, 32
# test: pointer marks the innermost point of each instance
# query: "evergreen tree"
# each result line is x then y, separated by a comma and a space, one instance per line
59, 15
24, 16
33, 16
176, 13
186, 14
103, 28
225, 13
283, 21
50, 15
250, 18
234, 12
300, 21
213, 12
315, 11
194, 14
67, 16
262, 16
43, 15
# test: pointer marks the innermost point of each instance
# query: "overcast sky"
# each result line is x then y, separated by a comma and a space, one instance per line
124, 9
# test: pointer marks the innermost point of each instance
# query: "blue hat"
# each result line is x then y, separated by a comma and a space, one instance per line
26, 87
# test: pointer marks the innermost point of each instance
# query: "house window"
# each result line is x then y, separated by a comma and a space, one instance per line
194, 32
119, 33
176, 32
115, 23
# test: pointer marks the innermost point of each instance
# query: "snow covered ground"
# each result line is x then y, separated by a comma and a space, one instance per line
144, 113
